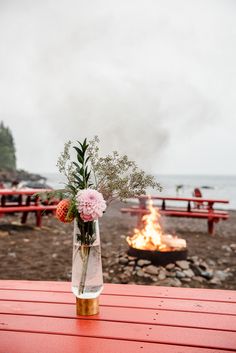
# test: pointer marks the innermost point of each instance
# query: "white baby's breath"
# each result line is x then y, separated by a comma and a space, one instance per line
116, 176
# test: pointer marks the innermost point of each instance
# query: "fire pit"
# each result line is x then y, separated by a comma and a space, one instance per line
158, 257
149, 242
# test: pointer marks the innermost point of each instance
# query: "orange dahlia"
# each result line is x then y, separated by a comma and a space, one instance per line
62, 211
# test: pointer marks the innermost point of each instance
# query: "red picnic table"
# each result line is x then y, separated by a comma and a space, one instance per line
24, 202
193, 207
209, 203
40, 317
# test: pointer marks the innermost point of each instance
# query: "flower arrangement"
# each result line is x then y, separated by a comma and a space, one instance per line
92, 183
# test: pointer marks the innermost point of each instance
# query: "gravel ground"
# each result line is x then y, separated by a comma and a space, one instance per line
31, 253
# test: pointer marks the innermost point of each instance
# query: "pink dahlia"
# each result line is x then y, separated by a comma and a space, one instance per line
91, 204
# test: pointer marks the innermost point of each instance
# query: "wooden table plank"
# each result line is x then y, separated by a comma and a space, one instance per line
171, 304
118, 330
171, 292
119, 314
125, 301
130, 290
48, 286
18, 342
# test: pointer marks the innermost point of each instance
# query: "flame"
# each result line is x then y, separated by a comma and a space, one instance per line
151, 236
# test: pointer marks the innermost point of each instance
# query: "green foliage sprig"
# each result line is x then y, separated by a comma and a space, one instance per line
77, 173
81, 172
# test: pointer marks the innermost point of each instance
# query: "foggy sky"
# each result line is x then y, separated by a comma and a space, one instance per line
154, 79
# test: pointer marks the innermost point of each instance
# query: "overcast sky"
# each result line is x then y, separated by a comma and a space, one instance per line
154, 79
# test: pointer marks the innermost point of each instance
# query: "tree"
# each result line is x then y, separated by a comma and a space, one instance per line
7, 149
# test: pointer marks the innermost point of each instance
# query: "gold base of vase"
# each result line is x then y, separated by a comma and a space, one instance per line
87, 307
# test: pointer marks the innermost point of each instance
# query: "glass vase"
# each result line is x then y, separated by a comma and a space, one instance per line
87, 278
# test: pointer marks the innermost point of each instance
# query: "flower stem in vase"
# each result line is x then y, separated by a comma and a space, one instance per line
84, 252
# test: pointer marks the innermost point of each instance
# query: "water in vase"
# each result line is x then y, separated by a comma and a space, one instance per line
87, 279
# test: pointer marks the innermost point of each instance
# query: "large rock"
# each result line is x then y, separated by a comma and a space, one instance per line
183, 264
140, 273
215, 281
194, 260
142, 262
170, 266
198, 279
131, 263
123, 261
161, 275
180, 274
198, 271
170, 274
151, 269
221, 275
175, 282
188, 273
186, 279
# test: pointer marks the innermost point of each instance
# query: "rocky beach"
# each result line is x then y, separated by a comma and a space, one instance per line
30, 253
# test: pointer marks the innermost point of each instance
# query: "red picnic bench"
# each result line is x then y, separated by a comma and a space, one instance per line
195, 208
26, 203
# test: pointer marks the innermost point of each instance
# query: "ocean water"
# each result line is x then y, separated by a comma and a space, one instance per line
212, 186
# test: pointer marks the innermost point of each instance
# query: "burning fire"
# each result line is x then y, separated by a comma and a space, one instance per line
151, 236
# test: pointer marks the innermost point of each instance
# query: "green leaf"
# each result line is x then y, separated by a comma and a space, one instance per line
83, 147
72, 188
80, 153
80, 159
77, 165
81, 171
72, 211
86, 160
81, 144
77, 178
78, 150
87, 177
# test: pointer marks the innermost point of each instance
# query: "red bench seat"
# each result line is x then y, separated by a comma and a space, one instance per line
38, 209
213, 216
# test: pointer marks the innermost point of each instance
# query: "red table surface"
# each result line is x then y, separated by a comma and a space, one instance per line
40, 317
